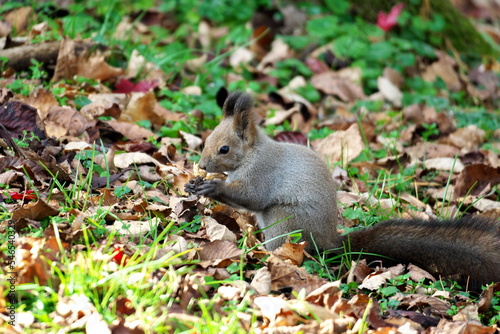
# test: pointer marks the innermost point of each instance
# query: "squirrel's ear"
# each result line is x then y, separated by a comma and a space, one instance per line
236, 103
239, 106
221, 96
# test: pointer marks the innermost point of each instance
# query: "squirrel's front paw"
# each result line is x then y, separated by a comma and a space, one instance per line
192, 185
208, 188
201, 187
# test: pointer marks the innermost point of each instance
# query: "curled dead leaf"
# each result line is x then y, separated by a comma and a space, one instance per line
336, 84
286, 275
35, 210
219, 250
342, 146
292, 252
261, 281
216, 231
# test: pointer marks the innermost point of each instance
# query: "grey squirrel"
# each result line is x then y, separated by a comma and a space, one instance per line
290, 185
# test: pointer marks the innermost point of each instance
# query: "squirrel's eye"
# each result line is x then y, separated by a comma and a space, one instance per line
224, 149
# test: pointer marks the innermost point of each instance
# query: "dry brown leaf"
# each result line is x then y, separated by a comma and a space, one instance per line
328, 296
417, 273
334, 83
233, 292
291, 252
178, 177
394, 76
412, 200
281, 115
390, 91
347, 198
219, 250
34, 210
444, 68
106, 99
286, 275
487, 297
141, 107
10, 176
484, 204
375, 280
431, 150
39, 29
446, 164
133, 228
341, 146
195, 64
216, 231
446, 193
432, 305
306, 309
63, 121
276, 311
31, 259
176, 243
192, 90
476, 180
131, 131
241, 56
95, 67
19, 18
77, 146
458, 327
17, 117
100, 108
279, 50
125, 160
42, 100
137, 65
106, 197
192, 141
74, 312
261, 282
468, 313
359, 271
183, 208
467, 138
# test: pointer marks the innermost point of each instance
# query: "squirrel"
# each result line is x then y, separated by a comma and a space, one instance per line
289, 187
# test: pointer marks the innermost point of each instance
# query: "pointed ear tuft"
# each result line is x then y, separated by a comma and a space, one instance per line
236, 103
221, 96
239, 106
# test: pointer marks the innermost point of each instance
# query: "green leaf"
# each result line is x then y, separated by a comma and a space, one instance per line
419, 24
380, 52
405, 59
424, 49
389, 291
296, 42
309, 93
193, 226
145, 123
338, 7
437, 23
233, 267
350, 46
122, 191
81, 101
323, 27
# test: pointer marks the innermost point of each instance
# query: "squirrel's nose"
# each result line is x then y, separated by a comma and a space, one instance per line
202, 165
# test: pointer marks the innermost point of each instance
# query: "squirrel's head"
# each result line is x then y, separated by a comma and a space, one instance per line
233, 138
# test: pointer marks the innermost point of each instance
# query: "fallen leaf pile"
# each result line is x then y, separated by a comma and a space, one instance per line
94, 156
